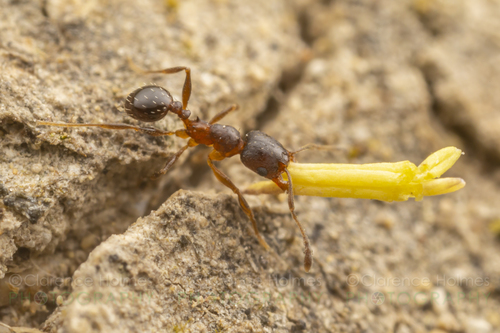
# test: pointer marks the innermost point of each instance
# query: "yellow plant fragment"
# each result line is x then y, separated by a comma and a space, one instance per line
381, 181
495, 227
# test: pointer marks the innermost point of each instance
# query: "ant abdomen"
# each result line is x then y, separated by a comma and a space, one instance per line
264, 155
148, 103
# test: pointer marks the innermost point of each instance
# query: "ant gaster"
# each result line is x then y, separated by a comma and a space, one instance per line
258, 151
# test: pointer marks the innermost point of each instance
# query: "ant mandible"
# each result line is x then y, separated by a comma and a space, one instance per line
258, 151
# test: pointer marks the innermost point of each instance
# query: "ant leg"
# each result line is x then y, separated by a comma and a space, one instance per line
173, 159
223, 113
315, 147
146, 130
186, 89
214, 155
288, 187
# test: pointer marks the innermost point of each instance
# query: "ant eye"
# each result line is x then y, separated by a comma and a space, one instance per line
148, 103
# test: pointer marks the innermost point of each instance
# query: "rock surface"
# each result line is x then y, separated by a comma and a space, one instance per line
388, 80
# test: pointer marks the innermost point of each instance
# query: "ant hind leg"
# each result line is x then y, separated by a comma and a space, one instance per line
186, 89
146, 130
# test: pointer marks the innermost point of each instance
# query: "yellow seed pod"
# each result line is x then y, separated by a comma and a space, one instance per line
380, 181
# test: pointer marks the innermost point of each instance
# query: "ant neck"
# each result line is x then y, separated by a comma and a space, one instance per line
176, 108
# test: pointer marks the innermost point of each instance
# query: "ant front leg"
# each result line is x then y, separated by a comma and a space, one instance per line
186, 89
287, 186
216, 156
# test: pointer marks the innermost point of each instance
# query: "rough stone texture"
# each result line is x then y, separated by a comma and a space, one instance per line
388, 80
192, 253
67, 61
459, 65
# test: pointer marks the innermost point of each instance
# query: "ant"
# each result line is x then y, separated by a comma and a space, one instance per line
258, 151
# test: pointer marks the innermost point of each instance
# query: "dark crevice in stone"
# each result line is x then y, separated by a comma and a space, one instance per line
450, 115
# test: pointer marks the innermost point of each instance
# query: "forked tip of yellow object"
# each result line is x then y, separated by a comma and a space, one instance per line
442, 186
438, 163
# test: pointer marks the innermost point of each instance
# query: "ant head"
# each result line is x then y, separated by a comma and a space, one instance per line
148, 103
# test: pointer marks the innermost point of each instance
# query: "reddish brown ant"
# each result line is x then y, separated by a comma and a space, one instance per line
258, 151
